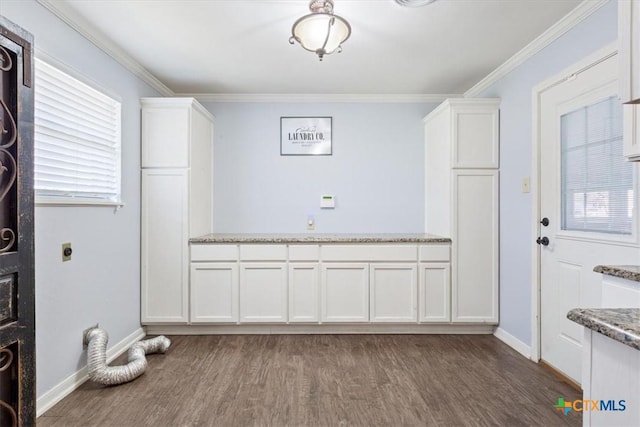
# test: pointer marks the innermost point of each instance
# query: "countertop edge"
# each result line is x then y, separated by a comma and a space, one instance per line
619, 324
629, 272
336, 238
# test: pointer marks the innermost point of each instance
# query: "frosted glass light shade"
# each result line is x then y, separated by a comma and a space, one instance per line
321, 33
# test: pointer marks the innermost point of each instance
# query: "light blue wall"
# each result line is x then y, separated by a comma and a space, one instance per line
102, 281
376, 171
515, 89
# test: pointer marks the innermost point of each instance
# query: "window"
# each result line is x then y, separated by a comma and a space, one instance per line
597, 183
77, 140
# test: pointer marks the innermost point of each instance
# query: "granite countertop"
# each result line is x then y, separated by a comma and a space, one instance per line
620, 324
320, 238
629, 272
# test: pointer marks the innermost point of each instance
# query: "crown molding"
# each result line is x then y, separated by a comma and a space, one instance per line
573, 18
87, 31
318, 97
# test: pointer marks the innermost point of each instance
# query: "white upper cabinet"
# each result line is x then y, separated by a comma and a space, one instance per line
463, 134
629, 50
176, 133
631, 132
629, 75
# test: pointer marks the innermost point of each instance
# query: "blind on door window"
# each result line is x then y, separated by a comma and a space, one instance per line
597, 183
77, 140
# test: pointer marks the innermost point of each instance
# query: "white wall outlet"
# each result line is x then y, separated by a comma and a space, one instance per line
311, 222
526, 187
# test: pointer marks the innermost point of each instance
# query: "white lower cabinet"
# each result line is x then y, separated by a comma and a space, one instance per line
314, 284
434, 292
345, 292
214, 292
263, 292
394, 292
303, 292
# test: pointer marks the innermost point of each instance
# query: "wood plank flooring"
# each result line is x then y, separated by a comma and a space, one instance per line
326, 380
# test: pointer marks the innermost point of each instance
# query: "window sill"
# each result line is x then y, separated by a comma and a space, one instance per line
49, 201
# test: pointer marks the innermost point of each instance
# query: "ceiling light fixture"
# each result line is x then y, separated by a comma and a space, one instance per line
321, 31
414, 3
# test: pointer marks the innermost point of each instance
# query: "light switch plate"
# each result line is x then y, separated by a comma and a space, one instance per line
526, 187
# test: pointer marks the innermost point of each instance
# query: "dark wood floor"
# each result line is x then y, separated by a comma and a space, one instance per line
326, 380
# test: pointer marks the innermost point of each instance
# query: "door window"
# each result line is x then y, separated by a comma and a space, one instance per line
597, 183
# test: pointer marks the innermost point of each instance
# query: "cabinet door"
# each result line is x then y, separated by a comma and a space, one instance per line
165, 136
303, 292
475, 135
394, 292
629, 50
474, 262
435, 292
631, 132
345, 292
214, 292
263, 292
164, 250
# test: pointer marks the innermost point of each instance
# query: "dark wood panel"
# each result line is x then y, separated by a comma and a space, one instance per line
326, 380
8, 298
17, 294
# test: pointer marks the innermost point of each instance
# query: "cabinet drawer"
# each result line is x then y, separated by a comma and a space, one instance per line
369, 253
434, 253
210, 252
263, 252
304, 253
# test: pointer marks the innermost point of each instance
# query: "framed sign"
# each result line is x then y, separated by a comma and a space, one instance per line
305, 136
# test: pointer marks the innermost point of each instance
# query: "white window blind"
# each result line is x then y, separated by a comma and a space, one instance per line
77, 140
597, 183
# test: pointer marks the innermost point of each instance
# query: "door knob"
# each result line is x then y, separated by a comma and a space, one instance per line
545, 221
544, 241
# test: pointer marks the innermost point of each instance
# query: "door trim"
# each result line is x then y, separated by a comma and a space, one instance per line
537, 91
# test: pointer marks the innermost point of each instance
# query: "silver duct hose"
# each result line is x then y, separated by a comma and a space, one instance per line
137, 362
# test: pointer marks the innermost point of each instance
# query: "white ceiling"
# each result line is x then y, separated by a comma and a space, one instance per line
241, 46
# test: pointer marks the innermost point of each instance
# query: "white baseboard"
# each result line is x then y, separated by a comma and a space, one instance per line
75, 380
513, 342
291, 329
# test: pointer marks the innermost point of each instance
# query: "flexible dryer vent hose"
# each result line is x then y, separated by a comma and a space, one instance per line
137, 362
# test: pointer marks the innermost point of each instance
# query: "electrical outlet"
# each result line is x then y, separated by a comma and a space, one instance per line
311, 223
85, 340
66, 252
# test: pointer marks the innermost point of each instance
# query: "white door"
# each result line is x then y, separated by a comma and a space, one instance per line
435, 292
214, 292
393, 292
345, 292
587, 194
263, 293
164, 246
303, 291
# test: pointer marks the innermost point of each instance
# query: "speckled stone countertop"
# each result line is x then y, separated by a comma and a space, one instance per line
620, 324
319, 238
629, 272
